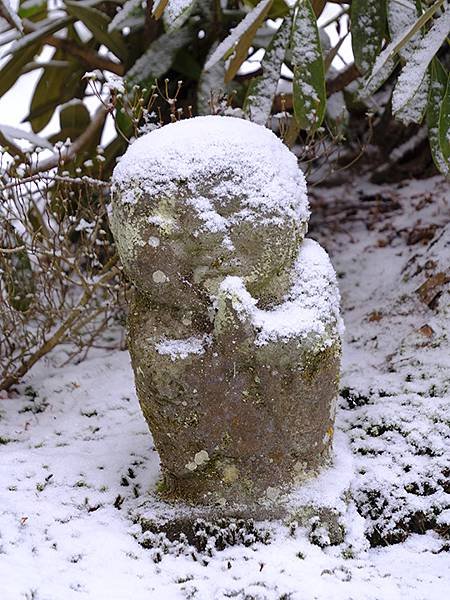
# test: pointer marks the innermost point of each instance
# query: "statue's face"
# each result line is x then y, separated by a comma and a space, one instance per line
205, 198
198, 237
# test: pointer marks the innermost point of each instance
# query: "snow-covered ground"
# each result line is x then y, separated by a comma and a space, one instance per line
77, 462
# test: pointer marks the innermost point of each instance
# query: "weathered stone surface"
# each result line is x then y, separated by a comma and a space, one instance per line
233, 327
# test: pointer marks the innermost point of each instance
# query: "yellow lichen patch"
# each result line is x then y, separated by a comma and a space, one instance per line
230, 474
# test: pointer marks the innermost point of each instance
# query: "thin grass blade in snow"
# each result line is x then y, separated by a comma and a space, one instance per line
438, 88
309, 74
414, 72
262, 90
240, 39
368, 18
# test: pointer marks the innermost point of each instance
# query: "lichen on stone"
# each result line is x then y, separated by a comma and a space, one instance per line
234, 326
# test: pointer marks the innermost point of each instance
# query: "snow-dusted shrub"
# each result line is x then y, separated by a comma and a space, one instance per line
58, 273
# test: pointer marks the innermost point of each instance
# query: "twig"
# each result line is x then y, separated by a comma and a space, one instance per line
73, 180
342, 79
12, 250
71, 152
89, 57
62, 330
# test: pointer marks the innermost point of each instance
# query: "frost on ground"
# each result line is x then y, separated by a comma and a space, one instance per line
77, 462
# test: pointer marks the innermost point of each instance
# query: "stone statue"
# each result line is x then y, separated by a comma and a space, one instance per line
234, 327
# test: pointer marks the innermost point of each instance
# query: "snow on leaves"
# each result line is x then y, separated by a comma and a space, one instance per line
130, 14
368, 30
309, 76
9, 16
236, 45
258, 103
176, 13
159, 57
410, 81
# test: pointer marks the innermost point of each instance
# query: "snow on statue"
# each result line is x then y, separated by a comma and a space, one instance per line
234, 327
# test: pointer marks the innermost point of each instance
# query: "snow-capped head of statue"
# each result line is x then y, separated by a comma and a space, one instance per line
234, 326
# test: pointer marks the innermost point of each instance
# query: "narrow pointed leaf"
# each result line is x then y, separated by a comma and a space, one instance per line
210, 84
262, 90
56, 85
401, 16
386, 61
415, 69
74, 118
130, 13
278, 9
444, 125
414, 109
309, 73
240, 38
438, 89
13, 133
97, 22
368, 19
158, 59
177, 12
38, 35
15, 65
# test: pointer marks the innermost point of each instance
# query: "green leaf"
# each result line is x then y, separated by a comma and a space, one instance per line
187, 65
261, 92
385, 63
444, 125
74, 117
415, 70
309, 74
210, 86
239, 40
97, 22
278, 9
413, 110
177, 13
44, 29
159, 57
55, 86
438, 90
368, 20
14, 133
13, 68
130, 14
32, 10
402, 15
